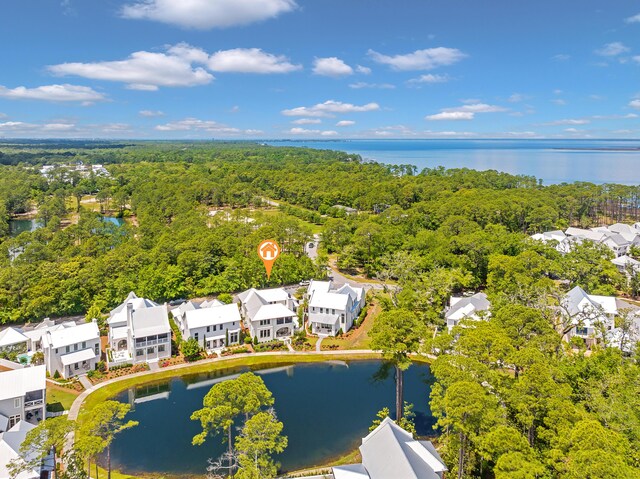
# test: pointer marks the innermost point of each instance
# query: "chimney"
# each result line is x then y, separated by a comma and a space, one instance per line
130, 314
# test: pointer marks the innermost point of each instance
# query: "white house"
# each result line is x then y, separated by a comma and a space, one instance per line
474, 307
626, 265
269, 313
22, 396
619, 238
13, 341
214, 327
72, 351
332, 310
139, 332
10, 442
593, 318
390, 452
35, 333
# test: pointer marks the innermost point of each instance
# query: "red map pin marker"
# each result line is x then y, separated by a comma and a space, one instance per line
268, 251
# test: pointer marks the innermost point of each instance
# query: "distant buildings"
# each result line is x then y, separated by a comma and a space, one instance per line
269, 313
333, 310
619, 237
390, 452
474, 307
10, 442
64, 171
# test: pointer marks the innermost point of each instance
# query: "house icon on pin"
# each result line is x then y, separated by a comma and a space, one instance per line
268, 250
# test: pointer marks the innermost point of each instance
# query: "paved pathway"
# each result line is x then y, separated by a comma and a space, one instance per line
77, 404
319, 344
154, 366
84, 380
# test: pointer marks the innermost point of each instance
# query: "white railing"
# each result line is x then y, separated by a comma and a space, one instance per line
35, 402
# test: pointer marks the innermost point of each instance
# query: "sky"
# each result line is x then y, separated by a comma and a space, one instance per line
319, 69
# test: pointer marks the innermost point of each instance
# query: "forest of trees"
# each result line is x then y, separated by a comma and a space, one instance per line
511, 399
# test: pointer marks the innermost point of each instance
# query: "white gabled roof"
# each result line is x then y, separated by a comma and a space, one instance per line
150, 321
10, 443
11, 336
212, 303
330, 300
355, 293
273, 311
625, 261
183, 308
76, 334
119, 314
18, 382
466, 307
204, 317
391, 452
350, 471
318, 287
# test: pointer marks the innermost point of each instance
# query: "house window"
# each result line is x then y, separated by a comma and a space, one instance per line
67, 349
17, 402
265, 322
162, 337
84, 344
76, 367
97, 349
75, 347
333, 311
208, 329
233, 337
139, 352
151, 350
13, 420
280, 321
161, 348
196, 336
265, 333
342, 318
321, 310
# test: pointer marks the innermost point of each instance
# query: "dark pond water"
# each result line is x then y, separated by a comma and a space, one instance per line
20, 226
326, 409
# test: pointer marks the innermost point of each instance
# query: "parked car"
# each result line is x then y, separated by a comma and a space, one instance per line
311, 245
177, 302
304, 283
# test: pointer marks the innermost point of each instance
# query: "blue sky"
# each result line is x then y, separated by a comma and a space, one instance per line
319, 69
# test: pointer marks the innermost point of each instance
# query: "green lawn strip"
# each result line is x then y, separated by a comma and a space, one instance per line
60, 399
110, 390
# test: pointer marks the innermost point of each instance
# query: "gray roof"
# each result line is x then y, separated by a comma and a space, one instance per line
573, 299
150, 321
390, 452
478, 301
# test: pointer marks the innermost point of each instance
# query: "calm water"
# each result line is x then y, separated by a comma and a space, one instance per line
20, 226
326, 409
553, 161
115, 221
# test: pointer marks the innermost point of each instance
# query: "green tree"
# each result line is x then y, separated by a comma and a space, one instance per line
225, 402
106, 421
398, 333
261, 437
406, 422
191, 349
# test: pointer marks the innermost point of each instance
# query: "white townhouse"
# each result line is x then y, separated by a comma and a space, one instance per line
22, 396
390, 452
627, 265
619, 237
12, 340
35, 333
139, 332
269, 313
179, 313
10, 442
333, 310
214, 327
474, 307
72, 351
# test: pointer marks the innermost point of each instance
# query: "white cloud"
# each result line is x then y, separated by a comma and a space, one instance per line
145, 70
628, 116
516, 98
430, 78
331, 67
206, 14
636, 59
635, 104
465, 112
612, 49
451, 115
116, 128
150, 113
559, 101
249, 60
3, 115
305, 131
361, 84
204, 126
427, 59
55, 93
568, 121
363, 70
633, 19
346, 123
307, 121
330, 108
561, 57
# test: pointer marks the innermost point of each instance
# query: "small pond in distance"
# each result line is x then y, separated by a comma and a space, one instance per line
326, 409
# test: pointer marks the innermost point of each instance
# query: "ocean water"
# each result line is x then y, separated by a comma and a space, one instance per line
552, 161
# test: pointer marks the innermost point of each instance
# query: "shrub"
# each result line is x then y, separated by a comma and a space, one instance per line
225, 298
255, 340
247, 340
101, 366
56, 375
191, 350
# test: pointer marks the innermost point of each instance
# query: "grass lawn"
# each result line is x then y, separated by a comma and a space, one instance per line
358, 338
59, 398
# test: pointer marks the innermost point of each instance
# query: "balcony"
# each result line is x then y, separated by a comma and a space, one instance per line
152, 342
33, 404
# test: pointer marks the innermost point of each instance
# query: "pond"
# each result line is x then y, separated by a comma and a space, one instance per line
326, 409
114, 220
20, 226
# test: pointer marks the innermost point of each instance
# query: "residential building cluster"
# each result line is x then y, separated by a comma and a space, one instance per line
83, 170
